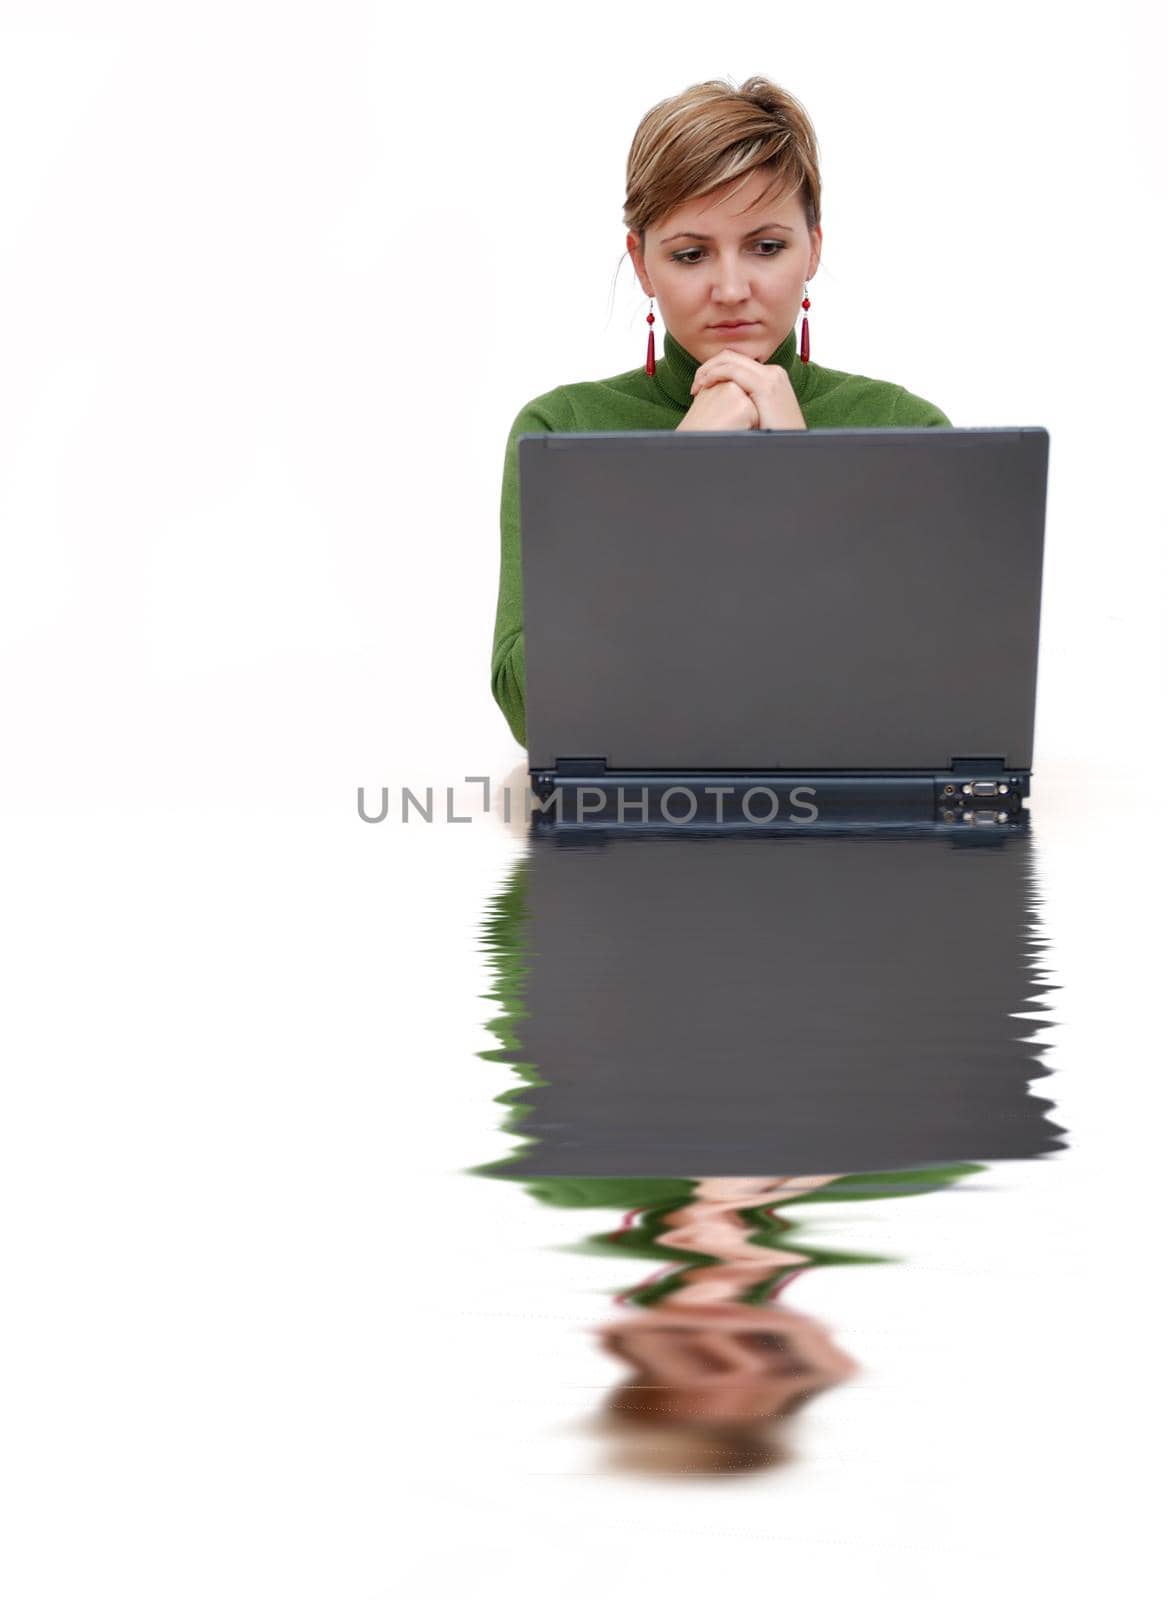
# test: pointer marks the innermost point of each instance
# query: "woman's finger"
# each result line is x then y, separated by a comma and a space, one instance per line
752, 375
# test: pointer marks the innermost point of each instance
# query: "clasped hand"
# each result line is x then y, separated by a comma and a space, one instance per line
765, 384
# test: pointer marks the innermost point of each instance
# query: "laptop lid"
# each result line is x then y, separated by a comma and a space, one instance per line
830, 599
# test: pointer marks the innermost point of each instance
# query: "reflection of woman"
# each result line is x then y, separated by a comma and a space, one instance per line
718, 1365
730, 280
712, 1371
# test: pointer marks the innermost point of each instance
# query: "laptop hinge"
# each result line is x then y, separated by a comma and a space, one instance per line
581, 766
978, 764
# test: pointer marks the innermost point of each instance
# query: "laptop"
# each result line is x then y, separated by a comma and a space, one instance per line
753, 628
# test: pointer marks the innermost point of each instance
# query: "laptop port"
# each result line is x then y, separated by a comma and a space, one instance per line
985, 787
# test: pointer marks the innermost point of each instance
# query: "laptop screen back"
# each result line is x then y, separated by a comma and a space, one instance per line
833, 599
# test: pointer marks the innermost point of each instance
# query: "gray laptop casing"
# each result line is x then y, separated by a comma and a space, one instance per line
832, 600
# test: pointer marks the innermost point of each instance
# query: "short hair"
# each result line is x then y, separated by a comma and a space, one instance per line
701, 139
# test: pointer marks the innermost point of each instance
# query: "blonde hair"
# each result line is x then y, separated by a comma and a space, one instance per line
699, 140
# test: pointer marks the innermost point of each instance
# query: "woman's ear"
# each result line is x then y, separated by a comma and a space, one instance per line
816, 250
634, 248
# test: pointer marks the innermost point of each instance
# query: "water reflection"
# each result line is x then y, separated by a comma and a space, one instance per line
787, 1021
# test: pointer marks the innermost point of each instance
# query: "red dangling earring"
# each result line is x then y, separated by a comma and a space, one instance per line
651, 358
805, 336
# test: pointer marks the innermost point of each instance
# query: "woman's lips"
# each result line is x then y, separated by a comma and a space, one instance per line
733, 327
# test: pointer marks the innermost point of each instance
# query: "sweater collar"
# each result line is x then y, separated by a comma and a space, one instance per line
676, 368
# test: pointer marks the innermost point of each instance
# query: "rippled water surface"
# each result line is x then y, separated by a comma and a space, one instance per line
585, 1213
720, 1039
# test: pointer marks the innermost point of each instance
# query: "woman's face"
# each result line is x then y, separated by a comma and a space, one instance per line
744, 261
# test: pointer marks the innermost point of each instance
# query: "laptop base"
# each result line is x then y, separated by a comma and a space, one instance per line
740, 800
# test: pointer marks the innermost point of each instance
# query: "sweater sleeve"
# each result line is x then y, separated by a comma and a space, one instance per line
507, 650
910, 411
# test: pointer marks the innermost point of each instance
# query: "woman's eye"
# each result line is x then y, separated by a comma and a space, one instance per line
689, 258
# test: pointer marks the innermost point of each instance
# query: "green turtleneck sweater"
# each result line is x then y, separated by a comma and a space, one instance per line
634, 400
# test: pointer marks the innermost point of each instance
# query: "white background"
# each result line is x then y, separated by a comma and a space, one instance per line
266, 272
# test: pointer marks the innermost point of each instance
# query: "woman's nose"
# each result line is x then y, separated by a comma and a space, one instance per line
731, 286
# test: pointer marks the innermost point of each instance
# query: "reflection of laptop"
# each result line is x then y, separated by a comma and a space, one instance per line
819, 1021
836, 623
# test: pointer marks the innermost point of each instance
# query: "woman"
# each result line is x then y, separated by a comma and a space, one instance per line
723, 217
